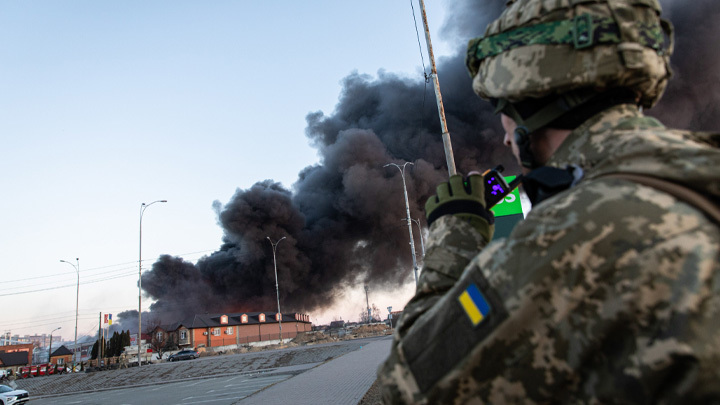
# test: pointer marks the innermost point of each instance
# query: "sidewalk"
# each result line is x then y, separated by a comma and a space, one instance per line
343, 380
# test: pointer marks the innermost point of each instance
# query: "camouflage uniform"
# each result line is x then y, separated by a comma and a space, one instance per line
608, 292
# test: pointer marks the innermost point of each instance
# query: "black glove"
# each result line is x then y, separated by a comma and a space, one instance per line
465, 200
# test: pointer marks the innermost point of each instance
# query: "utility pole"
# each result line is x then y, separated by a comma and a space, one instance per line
367, 302
436, 84
99, 341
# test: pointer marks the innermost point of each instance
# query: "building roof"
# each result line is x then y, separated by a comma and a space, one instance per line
61, 351
213, 320
14, 359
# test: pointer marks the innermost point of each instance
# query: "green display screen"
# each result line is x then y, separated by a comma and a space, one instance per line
510, 205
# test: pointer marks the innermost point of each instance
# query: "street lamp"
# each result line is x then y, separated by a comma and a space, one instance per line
422, 244
50, 348
277, 290
407, 208
143, 207
77, 295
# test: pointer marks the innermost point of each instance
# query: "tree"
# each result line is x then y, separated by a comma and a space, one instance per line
94, 351
374, 316
114, 347
126, 338
160, 341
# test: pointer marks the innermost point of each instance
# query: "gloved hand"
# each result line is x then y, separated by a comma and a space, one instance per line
465, 200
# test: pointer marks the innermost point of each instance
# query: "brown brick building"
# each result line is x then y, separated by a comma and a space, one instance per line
63, 355
17, 355
215, 330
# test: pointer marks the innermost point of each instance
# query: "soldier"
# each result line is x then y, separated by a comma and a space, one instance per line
608, 292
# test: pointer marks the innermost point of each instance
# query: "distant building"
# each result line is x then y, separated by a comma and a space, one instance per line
337, 324
42, 340
83, 349
61, 356
38, 340
13, 360
231, 329
17, 353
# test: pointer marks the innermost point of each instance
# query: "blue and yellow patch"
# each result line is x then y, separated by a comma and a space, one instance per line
474, 303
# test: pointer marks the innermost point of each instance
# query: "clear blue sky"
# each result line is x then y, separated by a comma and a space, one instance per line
106, 105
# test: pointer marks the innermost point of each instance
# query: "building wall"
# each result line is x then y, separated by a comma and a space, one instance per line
222, 339
198, 338
188, 337
246, 333
67, 359
19, 348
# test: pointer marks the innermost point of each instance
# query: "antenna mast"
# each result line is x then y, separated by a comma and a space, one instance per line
441, 110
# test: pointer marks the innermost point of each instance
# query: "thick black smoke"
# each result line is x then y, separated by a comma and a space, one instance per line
692, 99
341, 221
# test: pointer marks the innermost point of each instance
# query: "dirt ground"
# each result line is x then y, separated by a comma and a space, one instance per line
373, 396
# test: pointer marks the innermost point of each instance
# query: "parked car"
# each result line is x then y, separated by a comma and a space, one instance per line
11, 396
184, 355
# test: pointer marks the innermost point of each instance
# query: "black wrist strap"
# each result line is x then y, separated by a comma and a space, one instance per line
461, 207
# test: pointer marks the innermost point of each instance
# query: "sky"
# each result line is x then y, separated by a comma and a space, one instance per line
108, 105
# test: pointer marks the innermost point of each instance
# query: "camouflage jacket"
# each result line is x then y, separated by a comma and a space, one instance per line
608, 292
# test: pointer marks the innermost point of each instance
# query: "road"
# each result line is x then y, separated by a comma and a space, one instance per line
218, 390
337, 373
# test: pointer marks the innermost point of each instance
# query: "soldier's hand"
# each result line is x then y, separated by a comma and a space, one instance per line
465, 199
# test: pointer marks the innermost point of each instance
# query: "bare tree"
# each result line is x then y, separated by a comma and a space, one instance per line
374, 316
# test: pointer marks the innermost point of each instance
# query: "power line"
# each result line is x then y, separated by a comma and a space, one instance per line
69, 285
422, 60
84, 271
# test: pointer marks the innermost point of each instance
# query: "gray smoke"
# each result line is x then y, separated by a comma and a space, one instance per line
342, 217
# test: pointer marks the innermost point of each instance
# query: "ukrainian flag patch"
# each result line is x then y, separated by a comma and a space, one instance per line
474, 303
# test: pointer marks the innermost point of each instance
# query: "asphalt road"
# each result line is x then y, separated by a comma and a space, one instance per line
339, 372
218, 390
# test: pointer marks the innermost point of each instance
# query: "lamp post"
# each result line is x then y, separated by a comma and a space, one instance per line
422, 244
277, 290
407, 208
50, 348
77, 295
143, 207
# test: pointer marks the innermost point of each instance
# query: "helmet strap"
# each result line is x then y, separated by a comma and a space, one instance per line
551, 111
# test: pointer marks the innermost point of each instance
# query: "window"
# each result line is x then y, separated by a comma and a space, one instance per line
183, 335
244, 318
261, 317
60, 361
224, 319
229, 330
159, 336
216, 331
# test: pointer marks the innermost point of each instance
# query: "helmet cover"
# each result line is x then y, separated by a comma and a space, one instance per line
538, 48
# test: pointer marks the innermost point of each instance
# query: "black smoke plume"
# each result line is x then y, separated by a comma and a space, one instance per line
341, 220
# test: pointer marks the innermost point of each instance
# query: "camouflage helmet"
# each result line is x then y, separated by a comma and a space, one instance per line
540, 48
